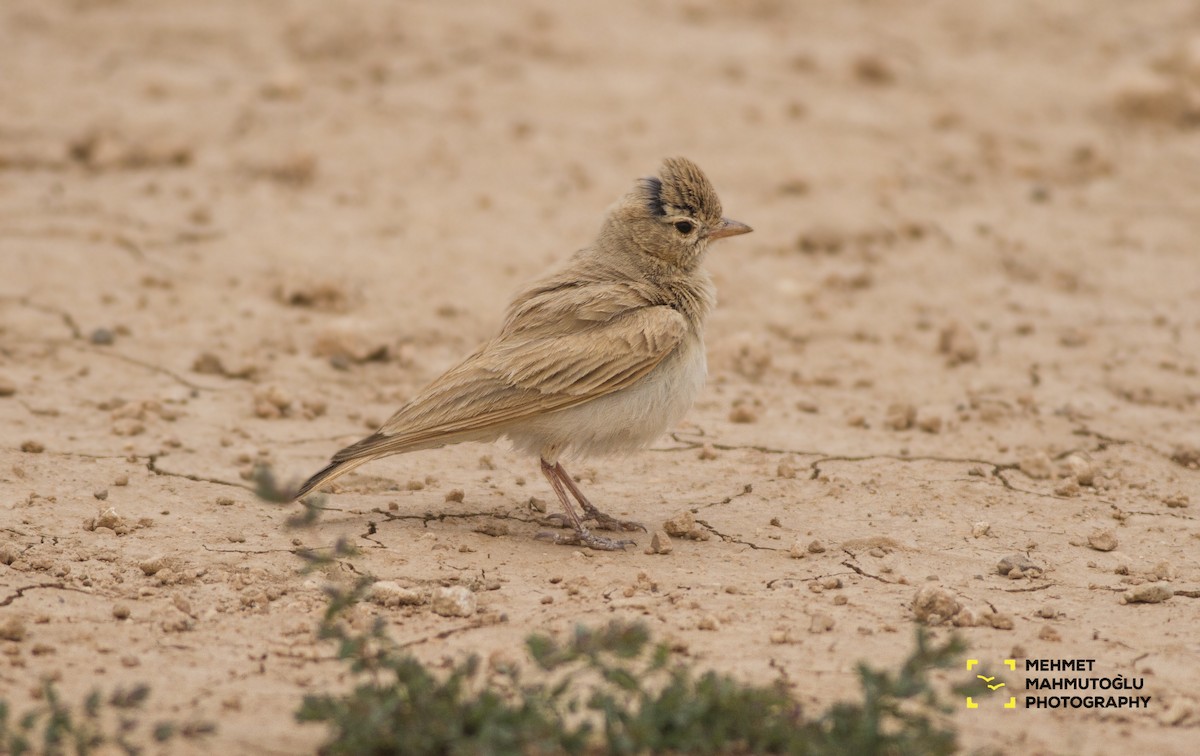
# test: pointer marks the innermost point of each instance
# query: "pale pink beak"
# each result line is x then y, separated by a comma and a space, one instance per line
728, 227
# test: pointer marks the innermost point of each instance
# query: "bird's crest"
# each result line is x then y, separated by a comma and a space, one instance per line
681, 188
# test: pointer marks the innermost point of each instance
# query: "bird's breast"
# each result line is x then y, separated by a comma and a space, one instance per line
626, 420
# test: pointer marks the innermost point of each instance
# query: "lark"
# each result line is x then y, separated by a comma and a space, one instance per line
599, 358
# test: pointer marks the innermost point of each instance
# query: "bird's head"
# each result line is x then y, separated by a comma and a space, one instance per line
672, 216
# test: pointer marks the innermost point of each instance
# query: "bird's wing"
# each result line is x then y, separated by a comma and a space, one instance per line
529, 371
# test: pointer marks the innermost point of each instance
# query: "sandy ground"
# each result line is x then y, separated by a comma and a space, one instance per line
966, 328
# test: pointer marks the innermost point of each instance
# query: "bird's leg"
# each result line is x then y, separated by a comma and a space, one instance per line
603, 521
581, 536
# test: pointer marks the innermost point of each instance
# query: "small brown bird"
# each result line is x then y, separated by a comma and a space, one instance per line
601, 357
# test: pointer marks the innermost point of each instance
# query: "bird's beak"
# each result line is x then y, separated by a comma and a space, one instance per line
728, 227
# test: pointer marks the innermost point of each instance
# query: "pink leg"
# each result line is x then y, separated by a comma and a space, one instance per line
603, 521
581, 536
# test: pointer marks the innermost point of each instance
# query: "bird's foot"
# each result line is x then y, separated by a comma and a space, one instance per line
603, 521
608, 522
583, 537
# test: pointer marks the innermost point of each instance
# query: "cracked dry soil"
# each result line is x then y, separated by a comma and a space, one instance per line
966, 330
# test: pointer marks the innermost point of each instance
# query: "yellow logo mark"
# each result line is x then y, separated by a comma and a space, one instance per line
1011, 664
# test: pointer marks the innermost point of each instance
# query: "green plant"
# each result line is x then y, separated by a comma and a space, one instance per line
605, 690
610, 690
54, 728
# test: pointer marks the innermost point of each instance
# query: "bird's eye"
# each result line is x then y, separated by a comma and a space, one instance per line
684, 227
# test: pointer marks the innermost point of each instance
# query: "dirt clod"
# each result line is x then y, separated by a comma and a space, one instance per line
820, 623
454, 601
9, 552
1018, 566
1102, 539
390, 594
660, 543
900, 416
1037, 465
1150, 593
958, 344
12, 628
684, 525
933, 605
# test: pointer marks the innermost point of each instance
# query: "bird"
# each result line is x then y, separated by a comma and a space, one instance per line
599, 357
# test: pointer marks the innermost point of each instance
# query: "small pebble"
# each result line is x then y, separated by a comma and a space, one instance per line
1102, 539
660, 543
684, 525
821, 623
1018, 566
388, 593
12, 629
1163, 571
1177, 501
900, 416
1037, 466
455, 601
958, 344
1150, 593
1082, 469
930, 423
934, 605
743, 414
102, 337
9, 552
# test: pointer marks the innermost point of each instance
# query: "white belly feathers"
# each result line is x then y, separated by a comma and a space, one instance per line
626, 420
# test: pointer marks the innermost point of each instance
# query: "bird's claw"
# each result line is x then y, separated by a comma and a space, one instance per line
557, 520
583, 537
608, 522
603, 522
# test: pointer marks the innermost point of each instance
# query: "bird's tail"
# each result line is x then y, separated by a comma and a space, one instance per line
334, 469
